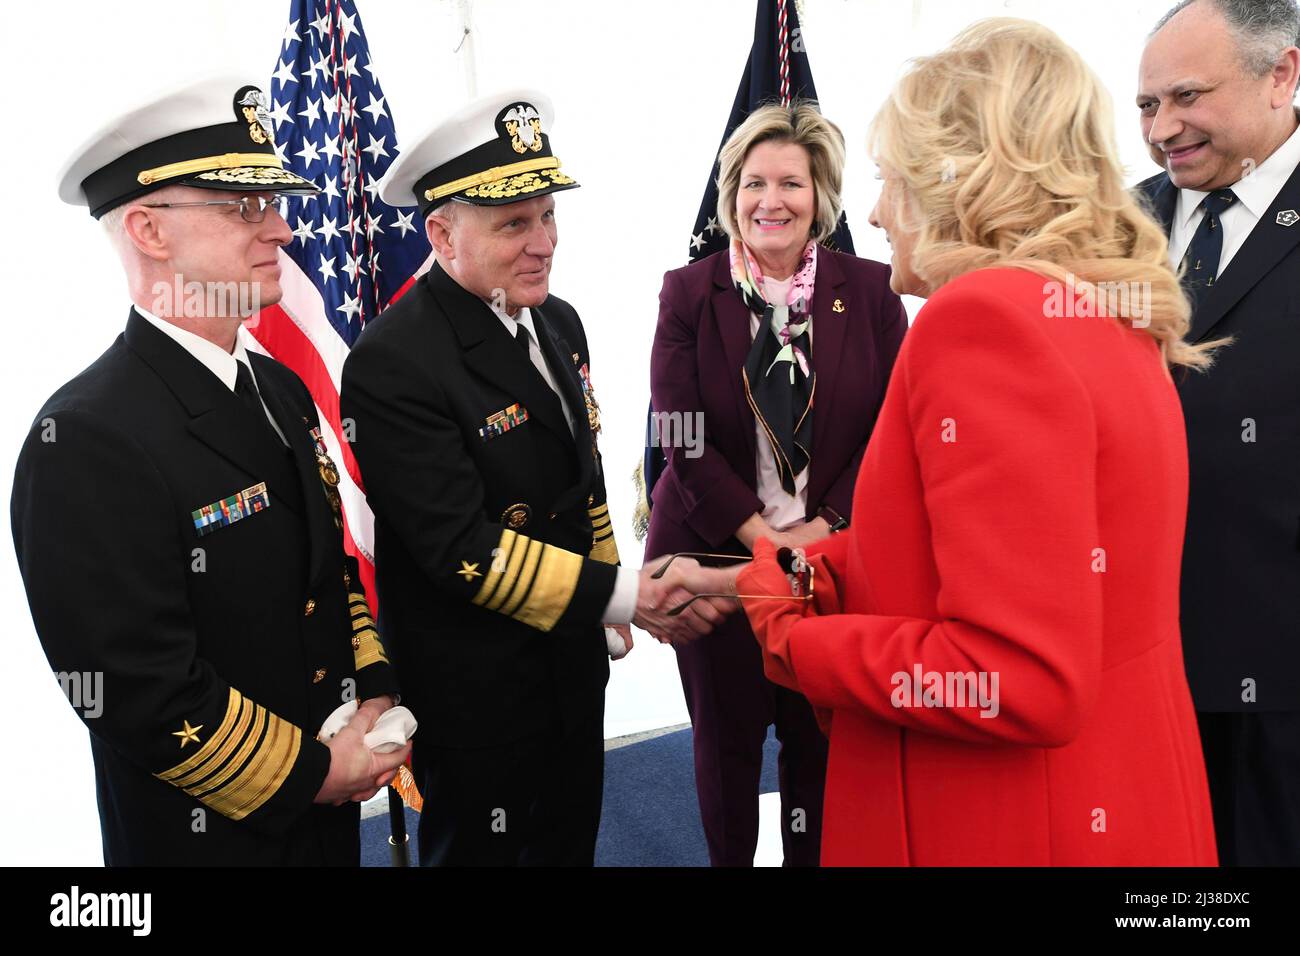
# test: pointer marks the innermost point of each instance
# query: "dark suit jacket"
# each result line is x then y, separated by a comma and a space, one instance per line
700, 347
493, 546
244, 634
1241, 558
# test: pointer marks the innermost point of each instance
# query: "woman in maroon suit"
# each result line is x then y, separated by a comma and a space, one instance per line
779, 350
994, 646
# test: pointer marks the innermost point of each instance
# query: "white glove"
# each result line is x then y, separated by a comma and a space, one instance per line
392, 730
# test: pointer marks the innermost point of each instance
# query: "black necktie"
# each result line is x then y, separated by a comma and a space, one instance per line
1206, 248
521, 340
246, 389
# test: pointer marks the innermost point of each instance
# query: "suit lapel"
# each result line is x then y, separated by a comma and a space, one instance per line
1266, 246
1162, 199
217, 417
490, 353
732, 320
560, 359
828, 333
319, 513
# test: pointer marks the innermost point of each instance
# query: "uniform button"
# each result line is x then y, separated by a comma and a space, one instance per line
554, 516
309, 608
516, 516
318, 676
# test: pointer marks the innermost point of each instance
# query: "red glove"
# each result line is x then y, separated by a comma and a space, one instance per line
772, 620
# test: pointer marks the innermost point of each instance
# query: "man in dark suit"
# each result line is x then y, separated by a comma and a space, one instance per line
475, 429
1216, 92
177, 530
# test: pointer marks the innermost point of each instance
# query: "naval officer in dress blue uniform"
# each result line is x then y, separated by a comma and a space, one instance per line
476, 426
177, 524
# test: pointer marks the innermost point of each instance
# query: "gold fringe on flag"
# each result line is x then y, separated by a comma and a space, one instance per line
641, 513
404, 784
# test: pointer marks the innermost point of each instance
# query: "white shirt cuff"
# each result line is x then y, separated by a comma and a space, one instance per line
622, 603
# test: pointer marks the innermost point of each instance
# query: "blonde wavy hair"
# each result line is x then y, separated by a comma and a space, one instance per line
800, 123
1004, 146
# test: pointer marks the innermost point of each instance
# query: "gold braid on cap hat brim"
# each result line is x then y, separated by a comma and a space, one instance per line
491, 175
205, 163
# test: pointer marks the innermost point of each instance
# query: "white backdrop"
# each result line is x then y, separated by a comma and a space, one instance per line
641, 89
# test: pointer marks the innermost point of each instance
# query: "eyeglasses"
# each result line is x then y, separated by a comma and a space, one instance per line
792, 560
251, 208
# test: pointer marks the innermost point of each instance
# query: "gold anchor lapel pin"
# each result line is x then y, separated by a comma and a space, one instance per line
838, 306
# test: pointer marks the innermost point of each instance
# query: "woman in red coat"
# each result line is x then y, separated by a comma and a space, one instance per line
993, 645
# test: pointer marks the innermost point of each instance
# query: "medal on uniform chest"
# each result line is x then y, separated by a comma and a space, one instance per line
501, 422
329, 476
589, 396
593, 406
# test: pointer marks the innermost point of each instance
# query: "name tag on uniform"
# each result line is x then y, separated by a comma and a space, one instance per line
503, 421
227, 511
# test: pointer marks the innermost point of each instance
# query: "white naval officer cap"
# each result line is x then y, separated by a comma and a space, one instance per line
492, 151
214, 133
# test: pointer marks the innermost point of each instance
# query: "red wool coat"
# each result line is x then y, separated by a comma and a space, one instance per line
1019, 510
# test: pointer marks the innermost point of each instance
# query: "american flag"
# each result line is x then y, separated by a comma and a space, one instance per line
351, 254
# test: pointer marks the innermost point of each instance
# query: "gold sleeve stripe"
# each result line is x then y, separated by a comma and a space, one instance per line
259, 779
524, 583
517, 555
605, 549
370, 652
504, 547
537, 582
246, 712
553, 587
205, 787
367, 648
212, 744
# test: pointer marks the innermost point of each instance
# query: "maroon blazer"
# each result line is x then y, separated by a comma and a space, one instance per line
700, 347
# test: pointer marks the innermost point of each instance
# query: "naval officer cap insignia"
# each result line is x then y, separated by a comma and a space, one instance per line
492, 151
213, 133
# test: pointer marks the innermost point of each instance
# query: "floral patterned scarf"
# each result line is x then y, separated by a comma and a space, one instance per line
778, 374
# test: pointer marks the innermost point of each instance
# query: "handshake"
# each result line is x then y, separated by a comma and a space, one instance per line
678, 600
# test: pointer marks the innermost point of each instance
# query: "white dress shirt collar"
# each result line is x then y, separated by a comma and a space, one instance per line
212, 357
523, 317
1256, 191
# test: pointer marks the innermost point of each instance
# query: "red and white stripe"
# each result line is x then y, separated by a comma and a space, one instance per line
783, 46
296, 333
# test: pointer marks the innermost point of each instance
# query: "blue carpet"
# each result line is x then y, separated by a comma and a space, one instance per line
650, 816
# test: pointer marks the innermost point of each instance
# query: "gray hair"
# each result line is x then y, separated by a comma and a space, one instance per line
111, 221
1263, 29
448, 209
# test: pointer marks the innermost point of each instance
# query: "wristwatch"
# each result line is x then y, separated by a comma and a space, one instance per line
833, 518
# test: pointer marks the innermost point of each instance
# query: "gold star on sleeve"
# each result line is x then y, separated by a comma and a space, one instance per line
469, 571
188, 734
